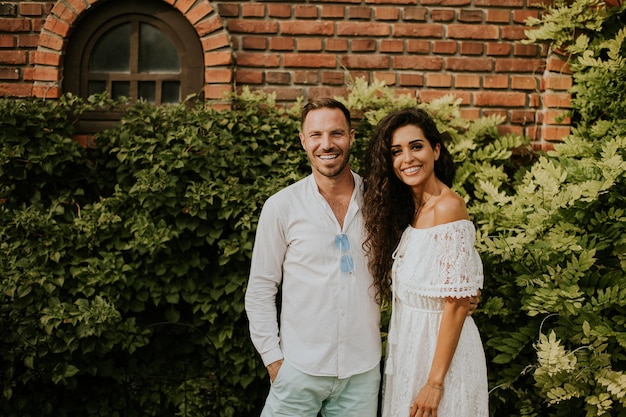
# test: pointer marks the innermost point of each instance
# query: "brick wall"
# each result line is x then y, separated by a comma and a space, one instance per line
469, 48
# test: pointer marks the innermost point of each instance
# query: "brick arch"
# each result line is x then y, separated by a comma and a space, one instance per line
218, 55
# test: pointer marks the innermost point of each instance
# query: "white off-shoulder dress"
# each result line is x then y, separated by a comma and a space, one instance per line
430, 265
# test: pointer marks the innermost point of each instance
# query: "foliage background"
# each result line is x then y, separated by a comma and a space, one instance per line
124, 265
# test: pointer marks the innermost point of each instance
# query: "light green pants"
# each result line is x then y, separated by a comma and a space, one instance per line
296, 394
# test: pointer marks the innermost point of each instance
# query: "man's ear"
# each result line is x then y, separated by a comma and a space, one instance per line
302, 142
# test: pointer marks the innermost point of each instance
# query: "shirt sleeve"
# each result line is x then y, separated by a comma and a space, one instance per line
265, 277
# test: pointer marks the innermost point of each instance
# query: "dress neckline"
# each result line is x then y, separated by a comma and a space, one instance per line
441, 225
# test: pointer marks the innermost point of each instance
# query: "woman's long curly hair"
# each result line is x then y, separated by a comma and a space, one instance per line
388, 203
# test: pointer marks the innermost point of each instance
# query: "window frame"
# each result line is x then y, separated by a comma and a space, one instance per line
110, 14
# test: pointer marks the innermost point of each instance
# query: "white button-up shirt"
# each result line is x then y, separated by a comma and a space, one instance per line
329, 319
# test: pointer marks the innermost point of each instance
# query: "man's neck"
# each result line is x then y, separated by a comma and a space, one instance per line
335, 187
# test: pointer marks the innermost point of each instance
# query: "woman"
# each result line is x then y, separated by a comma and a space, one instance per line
421, 253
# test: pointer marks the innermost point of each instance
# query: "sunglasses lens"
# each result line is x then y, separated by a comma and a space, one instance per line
342, 242
347, 263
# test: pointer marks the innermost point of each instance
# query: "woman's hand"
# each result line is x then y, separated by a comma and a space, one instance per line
427, 401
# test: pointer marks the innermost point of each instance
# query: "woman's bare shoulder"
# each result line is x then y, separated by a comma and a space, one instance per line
450, 207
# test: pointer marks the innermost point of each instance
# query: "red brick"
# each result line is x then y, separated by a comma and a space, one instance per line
388, 78
555, 63
418, 46
212, 59
210, 25
498, 16
471, 16
199, 12
444, 47
46, 91
557, 100
428, 96
253, 59
7, 73
15, 89
306, 77
469, 64
282, 43
252, 10
387, 13
522, 117
306, 28
46, 58
525, 50
27, 41
466, 81
362, 29
418, 30
514, 33
13, 57
363, 45
64, 13
524, 82
391, 46
365, 61
520, 16
217, 91
499, 99
557, 117
184, 5
557, 82
411, 80
321, 92
359, 13
333, 77
417, 63
228, 9
7, 41
279, 10
306, 12
438, 15
309, 44
554, 132
284, 93
415, 13
252, 26
336, 45
310, 60
438, 80
496, 81
498, 49
447, 2
332, 11
256, 43
501, 3
457, 31
31, 9
218, 75
472, 48
8, 25
278, 77
519, 65
245, 76
44, 73
217, 41
469, 114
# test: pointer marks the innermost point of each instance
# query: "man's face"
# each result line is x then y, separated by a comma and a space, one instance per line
326, 137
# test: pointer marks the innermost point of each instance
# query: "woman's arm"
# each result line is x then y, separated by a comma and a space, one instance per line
454, 313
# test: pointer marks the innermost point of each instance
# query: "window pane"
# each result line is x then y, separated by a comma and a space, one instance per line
112, 51
147, 91
120, 89
95, 87
171, 92
157, 52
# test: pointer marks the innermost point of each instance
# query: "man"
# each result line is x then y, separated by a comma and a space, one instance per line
326, 357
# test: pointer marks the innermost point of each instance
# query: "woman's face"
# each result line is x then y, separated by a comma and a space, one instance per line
412, 156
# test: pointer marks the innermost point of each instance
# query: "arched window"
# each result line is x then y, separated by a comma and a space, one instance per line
140, 49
